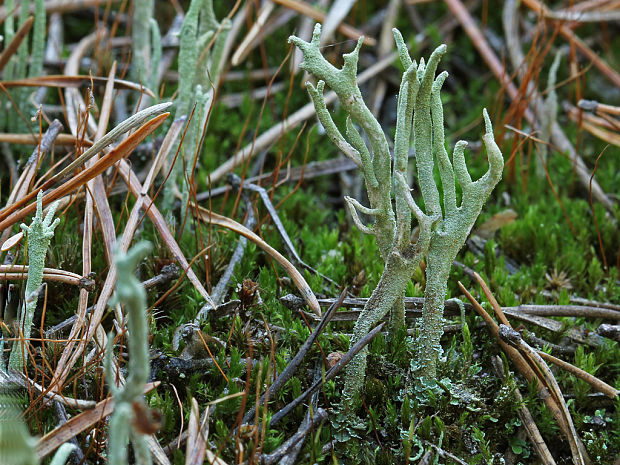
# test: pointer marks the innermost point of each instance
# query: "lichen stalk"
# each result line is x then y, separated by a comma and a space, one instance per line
442, 231
39, 234
38, 39
131, 293
199, 69
141, 28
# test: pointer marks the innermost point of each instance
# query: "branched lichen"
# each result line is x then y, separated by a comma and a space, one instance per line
39, 234
131, 293
442, 230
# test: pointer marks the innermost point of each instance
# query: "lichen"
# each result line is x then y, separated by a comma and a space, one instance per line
442, 231
131, 293
39, 234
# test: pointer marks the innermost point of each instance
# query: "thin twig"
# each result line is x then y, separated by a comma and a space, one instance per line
346, 358
293, 365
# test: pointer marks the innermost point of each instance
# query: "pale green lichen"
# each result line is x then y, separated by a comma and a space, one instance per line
39, 234
132, 295
141, 38
156, 52
38, 39
549, 115
199, 69
442, 231
25, 63
17, 447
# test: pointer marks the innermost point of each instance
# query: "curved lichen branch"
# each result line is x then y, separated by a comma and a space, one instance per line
131, 293
460, 167
316, 94
344, 83
353, 205
403, 51
401, 183
423, 130
496, 161
446, 171
356, 141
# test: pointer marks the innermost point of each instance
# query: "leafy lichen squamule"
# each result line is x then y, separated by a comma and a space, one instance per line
442, 231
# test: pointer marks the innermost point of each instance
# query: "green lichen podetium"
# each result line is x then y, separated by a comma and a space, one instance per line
17, 447
39, 234
442, 232
146, 40
201, 51
132, 295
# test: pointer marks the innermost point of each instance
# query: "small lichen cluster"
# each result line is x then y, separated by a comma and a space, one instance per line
27, 62
129, 398
201, 48
39, 235
442, 231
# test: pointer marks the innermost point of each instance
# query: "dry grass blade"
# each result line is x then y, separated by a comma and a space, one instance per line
587, 377
520, 362
311, 12
27, 176
10, 49
540, 446
27, 383
196, 446
307, 111
122, 128
60, 6
30, 139
20, 272
79, 423
124, 149
535, 364
253, 33
495, 65
61, 80
540, 8
162, 228
511, 336
593, 381
213, 218
603, 134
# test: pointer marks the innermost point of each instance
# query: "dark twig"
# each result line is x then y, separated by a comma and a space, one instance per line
319, 417
526, 418
610, 331
346, 358
512, 337
77, 456
290, 458
293, 365
168, 273
413, 306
